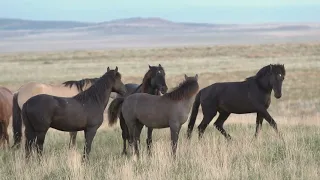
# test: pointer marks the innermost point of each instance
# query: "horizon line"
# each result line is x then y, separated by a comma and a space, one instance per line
160, 18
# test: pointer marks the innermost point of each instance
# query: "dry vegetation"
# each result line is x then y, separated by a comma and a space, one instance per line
297, 113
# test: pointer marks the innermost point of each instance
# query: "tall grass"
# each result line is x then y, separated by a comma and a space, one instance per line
210, 158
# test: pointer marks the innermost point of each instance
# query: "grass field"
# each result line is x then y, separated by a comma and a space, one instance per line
297, 114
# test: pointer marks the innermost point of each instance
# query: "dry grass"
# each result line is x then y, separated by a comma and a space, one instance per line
297, 114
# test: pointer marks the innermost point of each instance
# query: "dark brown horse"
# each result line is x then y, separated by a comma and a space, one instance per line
153, 83
170, 110
28, 90
250, 96
81, 112
5, 114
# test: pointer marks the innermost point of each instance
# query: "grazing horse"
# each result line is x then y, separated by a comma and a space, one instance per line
152, 83
6, 97
250, 96
25, 92
83, 111
170, 110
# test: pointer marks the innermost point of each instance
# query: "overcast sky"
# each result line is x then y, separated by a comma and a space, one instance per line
211, 11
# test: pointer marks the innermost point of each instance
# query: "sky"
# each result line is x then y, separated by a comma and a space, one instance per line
205, 11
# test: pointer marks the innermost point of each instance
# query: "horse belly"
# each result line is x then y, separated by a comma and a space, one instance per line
153, 119
66, 124
67, 120
239, 107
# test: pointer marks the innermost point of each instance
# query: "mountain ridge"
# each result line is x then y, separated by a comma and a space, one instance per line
10, 24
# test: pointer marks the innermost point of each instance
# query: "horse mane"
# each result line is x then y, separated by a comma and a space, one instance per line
81, 83
274, 68
186, 89
101, 84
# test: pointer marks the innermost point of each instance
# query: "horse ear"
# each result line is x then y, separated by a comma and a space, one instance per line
149, 66
108, 69
160, 65
196, 77
185, 76
116, 69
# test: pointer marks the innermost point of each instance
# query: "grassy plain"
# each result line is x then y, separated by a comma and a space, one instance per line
297, 114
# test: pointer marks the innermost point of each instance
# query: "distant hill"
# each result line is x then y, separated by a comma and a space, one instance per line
21, 24
137, 22
24, 35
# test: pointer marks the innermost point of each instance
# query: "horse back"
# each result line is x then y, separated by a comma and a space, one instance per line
33, 88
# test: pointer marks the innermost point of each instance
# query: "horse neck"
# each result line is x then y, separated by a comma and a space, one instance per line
98, 92
146, 87
264, 84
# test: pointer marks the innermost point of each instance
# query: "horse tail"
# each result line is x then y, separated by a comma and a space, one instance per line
194, 113
16, 121
114, 109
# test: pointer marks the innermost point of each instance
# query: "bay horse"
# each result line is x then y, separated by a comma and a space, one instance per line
250, 96
170, 110
25, 92
153, 83
6, 97
83, 111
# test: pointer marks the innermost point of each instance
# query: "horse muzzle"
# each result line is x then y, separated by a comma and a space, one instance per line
277, 95
163, 90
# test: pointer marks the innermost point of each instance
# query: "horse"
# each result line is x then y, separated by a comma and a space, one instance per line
25, 92
253, 95
82, 112
133, 88
170, 110
6, 97
153, 83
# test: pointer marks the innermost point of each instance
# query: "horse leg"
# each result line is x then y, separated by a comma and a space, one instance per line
208, 115
73, 137
271, 121
125, 134
30, 140
89, 135
149, 140
259, 121
136, 136
174, 130
219, 124
2, 133
40, 141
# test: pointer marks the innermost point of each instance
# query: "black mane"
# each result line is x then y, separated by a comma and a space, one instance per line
274, 68
99, 87
81, 83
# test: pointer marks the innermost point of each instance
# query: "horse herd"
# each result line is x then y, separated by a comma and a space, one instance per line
79, 106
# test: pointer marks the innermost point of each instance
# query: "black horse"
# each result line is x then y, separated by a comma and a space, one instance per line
250, 96
153, 83
81, 112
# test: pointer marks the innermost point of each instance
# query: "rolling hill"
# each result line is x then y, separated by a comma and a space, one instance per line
18, 34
